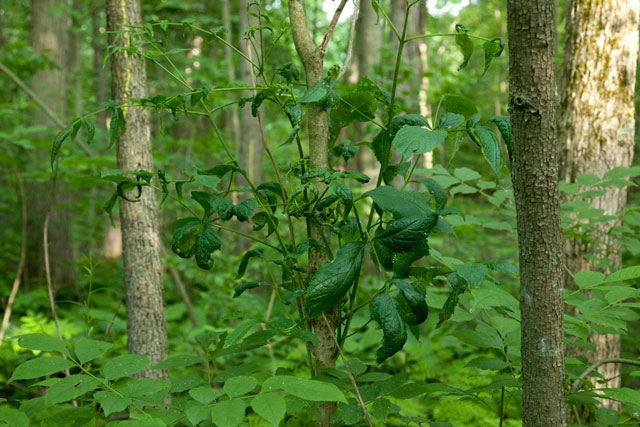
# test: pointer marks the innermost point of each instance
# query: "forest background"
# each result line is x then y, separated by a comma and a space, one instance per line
223, 327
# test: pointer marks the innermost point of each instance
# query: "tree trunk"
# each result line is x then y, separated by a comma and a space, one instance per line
531, 28
596, 130
146, 327
49, 36
249, 146
312, 60
367, 49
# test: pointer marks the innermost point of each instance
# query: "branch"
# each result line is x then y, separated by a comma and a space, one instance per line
307, 51
332, 26
42, 105
346, 366
596, 365
352, 33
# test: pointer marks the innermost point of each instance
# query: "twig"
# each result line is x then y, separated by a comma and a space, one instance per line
346, 366
23, 255
352, 33
47, 269
175, 275
113, 319
596, 365
42, 105
332, 26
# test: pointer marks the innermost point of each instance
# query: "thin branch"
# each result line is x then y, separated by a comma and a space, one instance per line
332, 26
42, 105
23, 254
113, 319
346, 366
177, 280
47, 269
352, 33
596, 365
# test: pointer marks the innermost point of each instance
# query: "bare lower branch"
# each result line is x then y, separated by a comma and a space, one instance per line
55, 119
332, 26
597, 364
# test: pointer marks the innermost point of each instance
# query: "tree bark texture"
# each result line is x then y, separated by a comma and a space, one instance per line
596, 130
531, 28
49, 37
146, 327
318, 128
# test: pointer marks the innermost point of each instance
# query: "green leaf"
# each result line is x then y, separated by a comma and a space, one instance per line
245, 261
42, 342
292, 135
466, 46
205, 394
243, 210
57, 142
240, 289
586, 279
207, 241
111, 402
125, 365
473, 273
87, 349
13, 417
408, 120
460, 105
487, 363
90, 128
439, 194
415, 299
222, 206
316, 94
466, 174
404, 234
625, 274
184, 233
315, 391
412, 140
178, 361
270, 406
450, 121
333, 280
70, 387
492, 49
400, 203
385, 312
490, 147
503, 123
228, 413
40, 367
197, 414
237, 386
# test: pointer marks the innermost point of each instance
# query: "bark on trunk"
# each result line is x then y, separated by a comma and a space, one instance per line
49, 36
532, 27
312, 60
146, 328
596, 130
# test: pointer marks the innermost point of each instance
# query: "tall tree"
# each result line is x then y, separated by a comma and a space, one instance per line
532, 33
49, 37
596, 129
146, 329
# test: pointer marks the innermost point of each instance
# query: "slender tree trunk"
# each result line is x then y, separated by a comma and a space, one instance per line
49, 36
230, 114
596, 130
249, 146
312, 60
367, 49
532, 28
146, 328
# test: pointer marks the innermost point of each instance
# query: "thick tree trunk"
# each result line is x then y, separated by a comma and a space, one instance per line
532, 27
596, 129
146, 328
49, 36
312, 60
